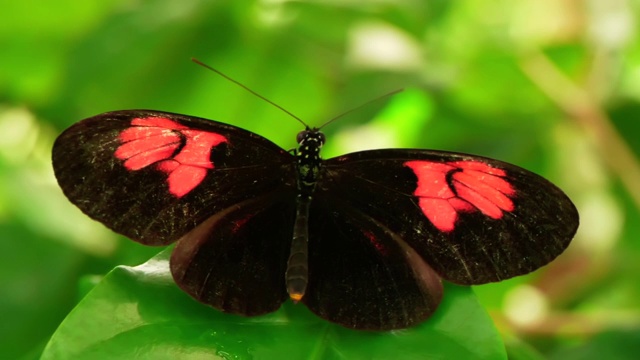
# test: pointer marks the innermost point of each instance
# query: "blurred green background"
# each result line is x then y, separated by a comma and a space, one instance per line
553, 86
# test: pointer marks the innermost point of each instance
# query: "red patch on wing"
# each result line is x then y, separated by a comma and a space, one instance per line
473, 185
375, 242
154, 141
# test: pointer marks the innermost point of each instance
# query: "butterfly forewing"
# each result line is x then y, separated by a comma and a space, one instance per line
153, 176
472, 219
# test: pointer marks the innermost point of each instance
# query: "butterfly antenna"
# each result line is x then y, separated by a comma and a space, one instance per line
361, 106
248, 89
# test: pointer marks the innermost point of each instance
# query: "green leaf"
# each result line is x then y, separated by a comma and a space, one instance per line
139, 312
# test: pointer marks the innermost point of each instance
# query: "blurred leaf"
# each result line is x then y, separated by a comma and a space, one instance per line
38, 288
519, 350
610, 345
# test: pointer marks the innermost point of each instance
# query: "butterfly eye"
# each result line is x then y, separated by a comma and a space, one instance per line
302, 135
321, 137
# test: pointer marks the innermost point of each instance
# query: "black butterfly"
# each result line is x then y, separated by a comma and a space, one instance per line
362, 239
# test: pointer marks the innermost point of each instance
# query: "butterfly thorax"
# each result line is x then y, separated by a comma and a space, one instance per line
310, 142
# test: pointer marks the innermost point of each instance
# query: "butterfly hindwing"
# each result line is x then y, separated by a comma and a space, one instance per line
153, 176
472, 219
362, 275
235, 261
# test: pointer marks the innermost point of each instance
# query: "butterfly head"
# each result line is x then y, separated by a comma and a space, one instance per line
310, 137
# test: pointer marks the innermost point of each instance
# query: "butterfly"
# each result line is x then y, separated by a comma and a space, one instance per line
364, 240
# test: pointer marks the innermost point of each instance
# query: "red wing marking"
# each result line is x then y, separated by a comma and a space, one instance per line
375, 241
155, 140
447, 189
238, 224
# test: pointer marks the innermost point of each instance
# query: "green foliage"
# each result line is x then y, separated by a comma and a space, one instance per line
551, 86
